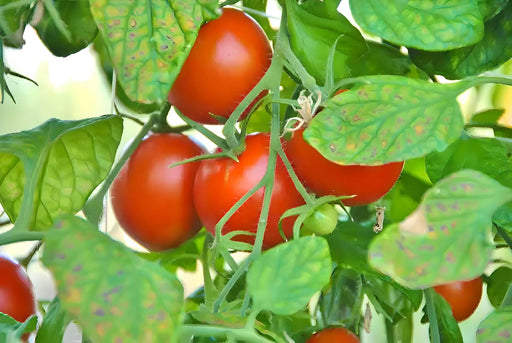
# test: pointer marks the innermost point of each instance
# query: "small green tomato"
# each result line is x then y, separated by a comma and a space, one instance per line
321, 222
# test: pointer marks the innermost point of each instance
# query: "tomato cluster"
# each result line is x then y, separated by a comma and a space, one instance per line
161, 207
16, 293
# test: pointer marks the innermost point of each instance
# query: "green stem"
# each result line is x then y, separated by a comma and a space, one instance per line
14, 236
491, 79
507, 300
27, 259
298, 185
241, 335
504, 235
229, 259
93, 208
209, 286
493, 126
432, 316
232, 281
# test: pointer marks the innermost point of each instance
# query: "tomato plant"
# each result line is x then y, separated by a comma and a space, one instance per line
463, 296
153, 202
16, 293
366, 183
230, 55
334, 335
276, 256
220, 183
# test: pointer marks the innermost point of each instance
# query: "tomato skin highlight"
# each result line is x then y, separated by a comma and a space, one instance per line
229, 57
323, 177
152, 202
16, 292
463, 297
221, 182
334, 335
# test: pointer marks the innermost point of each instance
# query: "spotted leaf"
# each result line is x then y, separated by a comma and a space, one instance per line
148, 41
424, 24
127, 299
386, 119
448, 238
497, 327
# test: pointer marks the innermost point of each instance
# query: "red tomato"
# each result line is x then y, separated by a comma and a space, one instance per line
229, 57
463, 297
222, 182
16, 293
152, 202
333, 335
323, 177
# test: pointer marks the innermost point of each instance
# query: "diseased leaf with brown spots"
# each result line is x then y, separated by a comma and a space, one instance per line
448, 238
497, 327
387, 119
112, 293
149, 41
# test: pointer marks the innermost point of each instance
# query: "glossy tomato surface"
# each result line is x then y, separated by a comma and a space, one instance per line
323, 177
221, 182
229, 57
16, 292
152, 202
333, 335
463, 297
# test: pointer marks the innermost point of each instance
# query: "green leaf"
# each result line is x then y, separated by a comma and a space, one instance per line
498, 284
447, 238
127, 298
487, 117
340, 304
390, 299
149, 41
54, 324
12, 330
349, 245
314, 27
503, 217
490, 8
14, 16
53, 168
427, 25
449, 330
497, 327
494, 49
78, 20
487, 155
382, 59
387, 119
284, 278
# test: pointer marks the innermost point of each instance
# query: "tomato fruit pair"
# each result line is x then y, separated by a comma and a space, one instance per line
16, 293
323, 177
152, 202
221, 182
333, 335
229, 57
463, 296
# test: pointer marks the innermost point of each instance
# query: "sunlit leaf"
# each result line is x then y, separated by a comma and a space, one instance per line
497, 327
149, 41
448, 238
53, 168
494, 49
127, 298
387, 119
284, 278
427, 25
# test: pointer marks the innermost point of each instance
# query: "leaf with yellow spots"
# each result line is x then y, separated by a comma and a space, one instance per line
387, 119
127, 299
448, 238
149, 41
423, 24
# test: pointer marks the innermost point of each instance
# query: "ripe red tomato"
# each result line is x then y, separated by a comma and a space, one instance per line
229, 57
323, 177
16, 293
222, 182
152, 202
333, 335
463, 296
